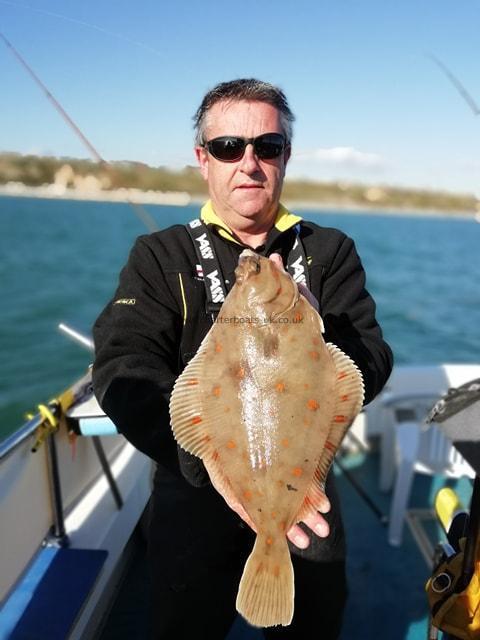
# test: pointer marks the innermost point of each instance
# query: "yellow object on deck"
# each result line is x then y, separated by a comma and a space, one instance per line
455, 613
447, 505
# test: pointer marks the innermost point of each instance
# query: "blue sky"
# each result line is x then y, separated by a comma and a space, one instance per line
371, 106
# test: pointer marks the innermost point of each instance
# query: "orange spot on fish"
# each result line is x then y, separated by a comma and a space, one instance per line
215, 455
206, 438
247, 494
240, 372
344, 398
312, 404
274, 515
306, 385
269, 540
314, 355
216, 391
196, 419
297, 471
192, 382
231, 444
298, 317
285, 442
340, 419
342, 375
280, 386
218, 347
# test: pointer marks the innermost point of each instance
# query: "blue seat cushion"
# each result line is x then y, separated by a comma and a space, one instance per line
49, 597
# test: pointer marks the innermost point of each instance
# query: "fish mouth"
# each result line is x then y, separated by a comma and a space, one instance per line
248, 264
248, 253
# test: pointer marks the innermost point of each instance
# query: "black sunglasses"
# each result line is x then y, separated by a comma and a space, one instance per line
231, 148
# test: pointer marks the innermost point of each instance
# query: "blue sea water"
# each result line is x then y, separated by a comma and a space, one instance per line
60, 259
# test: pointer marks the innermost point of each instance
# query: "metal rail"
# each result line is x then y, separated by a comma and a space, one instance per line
26, 431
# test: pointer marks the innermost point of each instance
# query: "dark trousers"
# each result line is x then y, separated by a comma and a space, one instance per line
197, 551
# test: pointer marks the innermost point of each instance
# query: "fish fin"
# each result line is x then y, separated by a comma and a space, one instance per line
349, 400
189, 417
266, 592
191, 420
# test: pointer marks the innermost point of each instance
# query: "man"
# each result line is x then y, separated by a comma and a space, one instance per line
198, 546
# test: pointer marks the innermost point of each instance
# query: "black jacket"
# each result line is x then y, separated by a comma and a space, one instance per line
154, 325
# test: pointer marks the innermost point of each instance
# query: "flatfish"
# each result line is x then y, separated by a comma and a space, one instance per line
265, 403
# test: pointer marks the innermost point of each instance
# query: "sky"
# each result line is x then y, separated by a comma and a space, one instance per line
371, 104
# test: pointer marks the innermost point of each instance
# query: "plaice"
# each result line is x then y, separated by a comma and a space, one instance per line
265, 403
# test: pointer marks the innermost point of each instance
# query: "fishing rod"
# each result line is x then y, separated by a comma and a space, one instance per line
456, 83
142, 214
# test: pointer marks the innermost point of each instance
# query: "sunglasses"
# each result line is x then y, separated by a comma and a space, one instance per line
231, 148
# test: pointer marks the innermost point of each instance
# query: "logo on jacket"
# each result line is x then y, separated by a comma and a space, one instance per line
205, 248
299, 271
215, 286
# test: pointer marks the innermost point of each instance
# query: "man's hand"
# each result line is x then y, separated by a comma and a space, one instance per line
316, 523
276, 258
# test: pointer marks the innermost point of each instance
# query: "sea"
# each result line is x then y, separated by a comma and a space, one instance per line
60, 260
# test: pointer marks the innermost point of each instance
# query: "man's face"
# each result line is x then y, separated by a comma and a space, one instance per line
249, 189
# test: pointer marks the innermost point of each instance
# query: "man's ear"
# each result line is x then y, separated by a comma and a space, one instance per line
202, 159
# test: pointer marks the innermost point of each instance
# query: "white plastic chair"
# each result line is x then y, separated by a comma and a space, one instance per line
410, 387
417, 448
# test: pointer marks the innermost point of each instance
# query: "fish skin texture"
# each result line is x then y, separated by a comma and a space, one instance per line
265, 403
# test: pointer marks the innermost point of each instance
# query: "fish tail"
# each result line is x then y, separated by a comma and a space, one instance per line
265, 595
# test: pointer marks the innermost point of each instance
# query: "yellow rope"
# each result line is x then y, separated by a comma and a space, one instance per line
48, 425
48, 416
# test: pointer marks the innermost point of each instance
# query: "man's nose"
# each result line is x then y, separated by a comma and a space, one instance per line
249, 163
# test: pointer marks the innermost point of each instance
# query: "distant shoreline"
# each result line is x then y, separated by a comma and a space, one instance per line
182, 198
56, 192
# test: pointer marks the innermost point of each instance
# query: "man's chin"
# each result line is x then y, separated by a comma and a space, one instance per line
253, 207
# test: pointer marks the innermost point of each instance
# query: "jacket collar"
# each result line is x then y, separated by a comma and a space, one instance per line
284, 221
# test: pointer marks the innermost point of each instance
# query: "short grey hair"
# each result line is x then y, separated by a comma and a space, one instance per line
244, 89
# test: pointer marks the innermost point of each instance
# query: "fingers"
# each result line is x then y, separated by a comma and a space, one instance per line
276, 258
316, 523
298, 537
